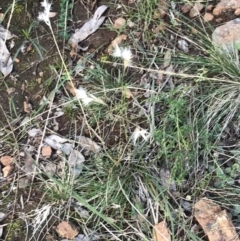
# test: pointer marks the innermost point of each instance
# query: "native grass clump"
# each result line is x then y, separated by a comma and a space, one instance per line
113, 140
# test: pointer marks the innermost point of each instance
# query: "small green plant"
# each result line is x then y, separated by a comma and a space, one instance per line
66, 7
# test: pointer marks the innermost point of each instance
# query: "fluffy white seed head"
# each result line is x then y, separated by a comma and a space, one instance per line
44, 16
124, 53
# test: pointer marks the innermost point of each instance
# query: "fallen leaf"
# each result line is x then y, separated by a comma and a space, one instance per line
2, 216
186, 8
28, 165
81, 65
88, 28
88, 144
34, 132
215, 222
11, 44
167, 58
23, 182
127, 93
27, 107
75, 163
119, 23
7, 160
237, 12
218, 20
161, 11
209, 7
183, 45
161, 27
195, 11
117, 41
1, 231
50, 168
59, 143
10, 90
39, 80
7, 170
66, 231
46, 151
69, 86
1, 17
6, 63
161, 232
5, 34
166, 180
25, 121
207, 17
29, 48
130, 24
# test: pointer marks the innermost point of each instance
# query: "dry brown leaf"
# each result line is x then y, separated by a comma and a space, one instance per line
46, 151
209, 7
161, 27
39, 80
226, 5
29, 48
167, 58
6, 160
237, 12
7, 170
186, 8
10, 90
88, 144
117, 41
215, 222
161, 11
27, 107
6, 62
218, 20
70, 88
29, 165
119, 23
161, 232
195, 11
207, 17
1, 16
87, 29
127, 93
66, 231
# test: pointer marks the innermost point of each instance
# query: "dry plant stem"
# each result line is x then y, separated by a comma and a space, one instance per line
126, 196
10, 17
50, 108
70, 79
197, 77
116, 238
63, 104
18, 154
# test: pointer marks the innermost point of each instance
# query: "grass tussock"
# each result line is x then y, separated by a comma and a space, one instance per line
168, 133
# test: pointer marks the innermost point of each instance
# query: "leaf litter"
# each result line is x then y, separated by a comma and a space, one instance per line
87, 29
214, 221
6, 62
161, 232
75, 157
65, 230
